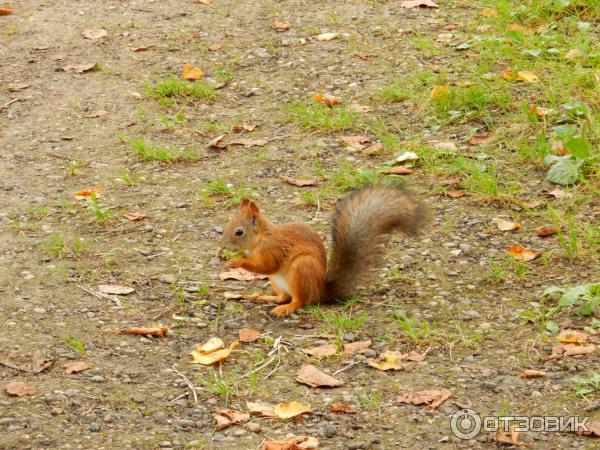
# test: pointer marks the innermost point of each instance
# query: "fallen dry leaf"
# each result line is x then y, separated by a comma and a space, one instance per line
85, 193
20, 389
81, 68
506, 225
438, 92
292, 443
488, 11
41, 48
359, 108
327, 36
94, 34
409, 4
388, 360
353, 140
572, 337
327, 99
446, 145
526, 75
539, 111
450, 181
593, 429
215, 47
16, 87
35, 362
407, 156
416, 357
217, 142
481, 139
454, 193
134, 216
563, 350
546, 231
313, 377
240, 274
228, 295
430, 397
574, 53
250, 142
96, 113
341, 408
330, 349
152, 331
142, 48
522, 253
191, 73
398, 170
518, 28
261, 409
291, 409
204, 2
227, 417
6, 11
248, 335
243, 127
281, 26
299, 181
558, 193
115, 289
531, 373
212, 351
77, 366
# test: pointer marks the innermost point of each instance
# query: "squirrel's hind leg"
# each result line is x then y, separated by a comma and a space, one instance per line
306, 283
277, 299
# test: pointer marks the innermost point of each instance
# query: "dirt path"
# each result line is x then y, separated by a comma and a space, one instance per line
69, 131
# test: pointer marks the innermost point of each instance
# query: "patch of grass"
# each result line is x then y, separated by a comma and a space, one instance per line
75, 344
172, 121
232, 196
58, 247
171, 89
318, 116
74, 166
227, 384
100, 213
417, 331
125, 176
585, 386
148, 152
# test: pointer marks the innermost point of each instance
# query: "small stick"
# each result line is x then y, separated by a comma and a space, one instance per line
101, 296
345, 368
188, 382
274, 368
14, 100
262, 366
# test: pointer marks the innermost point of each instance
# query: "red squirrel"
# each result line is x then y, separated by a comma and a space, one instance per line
293, 254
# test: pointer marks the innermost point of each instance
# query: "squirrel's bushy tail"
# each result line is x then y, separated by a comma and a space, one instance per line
361, 223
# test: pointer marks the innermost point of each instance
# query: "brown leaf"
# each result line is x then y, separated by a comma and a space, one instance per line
191, 73
215, 47
248, 335
398, 170
227, 417
313, 377
430, 397
217, 142
330, 349
34, 363
353, 140
77, 366
539, 111
414, 356
94, 34
142, 48
96, 113
298, 181
204, 2
291, 409
488, 11
115, 289
558, 193
454, 193
16, 87
81, 68
572, 337
481, 139
359, 108
227, 295
85, 193
250, 142
6, 11
261, 409
281, 26
593, 429
240, 274
20, 389
506, 225
153, 331
327, 36
522, 253
341, 408
446, 145
353, 348
134, 216
243, 127
546, 231
327, 99
292, 443
563, 350
519, 28
531, 373
410, 4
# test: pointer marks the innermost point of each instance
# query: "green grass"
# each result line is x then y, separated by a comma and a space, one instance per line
318, 116
231, 196
585, 386
57, 246
149, 152
172, 89
75, 344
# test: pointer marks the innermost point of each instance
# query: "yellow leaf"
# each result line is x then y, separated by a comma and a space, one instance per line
388, 360
526, 75
289, 410
490, 12
438, 92
191, 73
212, 351
212, 345
572, 337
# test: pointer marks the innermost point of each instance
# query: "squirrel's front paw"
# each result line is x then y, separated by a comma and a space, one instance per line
284, 310
234, 263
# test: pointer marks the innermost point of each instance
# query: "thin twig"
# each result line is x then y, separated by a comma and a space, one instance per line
14, 100
101, 296
262, 366
188, 382
345, 368
274, 368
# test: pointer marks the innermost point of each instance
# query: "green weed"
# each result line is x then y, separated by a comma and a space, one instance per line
148, 152
318, 116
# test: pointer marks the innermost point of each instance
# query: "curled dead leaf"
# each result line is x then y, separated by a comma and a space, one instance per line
247, 335
398, 170
151, 331
217, 142
16, 87
359, 108
250, 142
298, 181
508, 438
240, 274
488, 11
281, 26
341, 408
292, 443
77, 366
410, 4
454, 193
532, 373
94, 34
564, 350
388, 360
430, 397
5, 11
81, 68
191, 73
228, 417
546, 231
142, 48
291, 409
327, 36
313, 377
261, 409
95, 114
85, 193
593, 428
506, 225
539, 111
134, 216
115, 289
438, 92
481, 139
240, 127
227, 295
572, 337
20, 389
212, 351
327, 99
330, 349
522, 253
35, 362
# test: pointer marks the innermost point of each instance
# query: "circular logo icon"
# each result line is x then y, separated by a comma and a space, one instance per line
465, 424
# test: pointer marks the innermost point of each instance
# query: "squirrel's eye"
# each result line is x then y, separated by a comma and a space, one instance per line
239, 231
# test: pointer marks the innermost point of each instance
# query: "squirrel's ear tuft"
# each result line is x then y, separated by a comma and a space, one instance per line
249, 208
